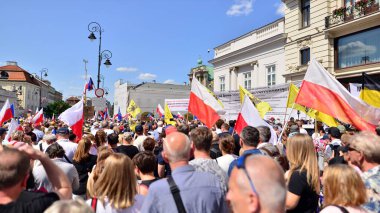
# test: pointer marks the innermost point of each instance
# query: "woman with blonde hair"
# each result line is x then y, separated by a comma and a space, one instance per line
303, 175
103, 153
343, 189
83, 162
116, 187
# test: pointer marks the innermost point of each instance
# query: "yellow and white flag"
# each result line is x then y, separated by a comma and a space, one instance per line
261, 106
133, 109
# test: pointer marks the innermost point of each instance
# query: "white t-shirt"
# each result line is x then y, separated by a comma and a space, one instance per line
69, 147
139, 142
139, 199
333, 209
225, 161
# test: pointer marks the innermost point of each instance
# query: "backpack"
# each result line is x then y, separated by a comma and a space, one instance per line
335, 149
215, 153
276, 155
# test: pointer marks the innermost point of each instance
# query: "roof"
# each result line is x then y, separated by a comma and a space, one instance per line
16, 73
252, 31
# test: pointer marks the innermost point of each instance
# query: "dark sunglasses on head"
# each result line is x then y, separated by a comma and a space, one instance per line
241, 165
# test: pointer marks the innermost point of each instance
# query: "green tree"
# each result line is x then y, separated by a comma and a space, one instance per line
56, 108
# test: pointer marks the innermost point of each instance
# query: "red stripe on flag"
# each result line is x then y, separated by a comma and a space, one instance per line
77, 129
327, 101
7, 115
204, 113
240, 124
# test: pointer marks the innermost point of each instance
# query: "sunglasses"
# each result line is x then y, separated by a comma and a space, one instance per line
241, 165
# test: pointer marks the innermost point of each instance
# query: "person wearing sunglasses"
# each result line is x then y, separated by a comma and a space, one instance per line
364, 152
257, 184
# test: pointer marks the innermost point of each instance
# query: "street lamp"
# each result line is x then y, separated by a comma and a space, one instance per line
43, 72
95, 27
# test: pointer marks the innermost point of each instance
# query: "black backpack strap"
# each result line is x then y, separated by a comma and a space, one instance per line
41, 147
177, 197
67, 159
344, 210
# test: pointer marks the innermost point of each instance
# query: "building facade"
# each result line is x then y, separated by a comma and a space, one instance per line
31, 91
255, 59
204, 74
343, 35
146, 95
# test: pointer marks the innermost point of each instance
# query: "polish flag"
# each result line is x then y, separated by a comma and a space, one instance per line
160, 110
203, 104
6, 112
38, 117
322, 92
13, 126
250, 116
73, 117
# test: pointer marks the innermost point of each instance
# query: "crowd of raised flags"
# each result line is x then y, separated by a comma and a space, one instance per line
321, 97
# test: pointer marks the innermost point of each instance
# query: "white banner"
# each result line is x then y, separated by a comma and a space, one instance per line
355, 89
177, 105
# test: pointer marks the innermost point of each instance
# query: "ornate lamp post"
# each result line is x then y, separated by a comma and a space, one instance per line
105, 54
43, 73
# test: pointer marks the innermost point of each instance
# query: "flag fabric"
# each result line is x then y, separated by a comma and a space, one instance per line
151, 118
90, 85
119, 116
133, 109
105, 114
73, 117
39, 117
355, 89
203, 104
322, 92
53, 117
250, 116
13, 126
370, 92
179, 115
262, 106
168, 115
5, 113
160, 111
13, 110
319, 116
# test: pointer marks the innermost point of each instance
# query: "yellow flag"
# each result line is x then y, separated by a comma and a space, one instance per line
320, 116
133, 109
261, 106
168, 116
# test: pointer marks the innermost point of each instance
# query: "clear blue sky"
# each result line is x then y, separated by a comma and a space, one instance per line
150, 39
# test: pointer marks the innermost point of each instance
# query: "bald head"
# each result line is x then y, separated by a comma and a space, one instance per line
177, 147
264, 172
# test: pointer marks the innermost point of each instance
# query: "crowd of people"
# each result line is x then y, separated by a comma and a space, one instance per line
149, 166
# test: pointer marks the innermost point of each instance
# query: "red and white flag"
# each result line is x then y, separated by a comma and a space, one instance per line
6, 112
38, 117
13, 126
250, 116
322, 92
203, 104
73, 117
160, 110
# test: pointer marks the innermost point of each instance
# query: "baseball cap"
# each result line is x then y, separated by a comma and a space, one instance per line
2, 131
342, 129
63, 131
294, 128
139, 128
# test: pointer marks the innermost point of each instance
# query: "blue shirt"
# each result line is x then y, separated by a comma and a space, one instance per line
200, 192
250, 151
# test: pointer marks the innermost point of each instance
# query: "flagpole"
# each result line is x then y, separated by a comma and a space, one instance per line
285, 125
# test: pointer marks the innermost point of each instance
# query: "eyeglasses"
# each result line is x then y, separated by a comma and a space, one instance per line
241, 165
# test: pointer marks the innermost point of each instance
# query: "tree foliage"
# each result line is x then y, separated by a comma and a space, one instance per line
56, 107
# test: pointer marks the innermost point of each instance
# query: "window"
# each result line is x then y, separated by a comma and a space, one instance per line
271, 73
358, 49
222, 84
247, 80
305, 13
305, 56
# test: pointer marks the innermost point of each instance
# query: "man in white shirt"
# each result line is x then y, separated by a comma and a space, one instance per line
68, 146
94, 128
37, 130
46, 141
140, 138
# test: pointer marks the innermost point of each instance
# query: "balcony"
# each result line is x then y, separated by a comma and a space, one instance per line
353, 18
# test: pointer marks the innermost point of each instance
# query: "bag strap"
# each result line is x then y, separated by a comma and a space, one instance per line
94, 202
177, 197
344, 210
267, 151
67, 159
41, 147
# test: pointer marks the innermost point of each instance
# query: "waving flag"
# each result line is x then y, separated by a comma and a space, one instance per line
322, 92
168, 116
119, 116
160, 111
90, 85
73, 117
6, 112
203, 104
39, 117
250, 116
13, 126
262, 106
133, 109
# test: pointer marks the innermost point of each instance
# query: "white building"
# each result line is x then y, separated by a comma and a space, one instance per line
146, 95
255, 59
